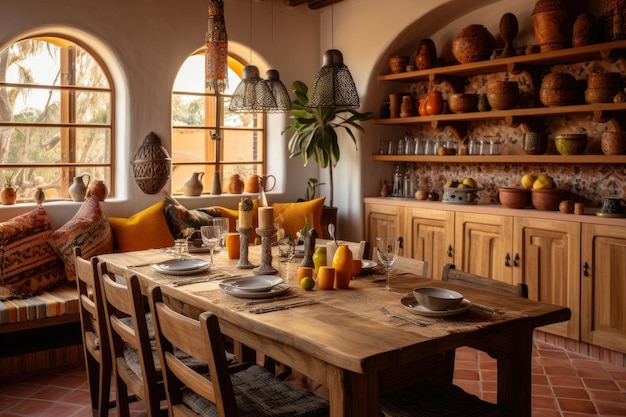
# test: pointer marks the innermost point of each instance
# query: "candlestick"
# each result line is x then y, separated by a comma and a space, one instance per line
266, 267
266, 218
243, 248
245, 216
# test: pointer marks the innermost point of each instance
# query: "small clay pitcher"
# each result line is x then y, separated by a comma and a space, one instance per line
8, 196
98, 189
78, 189
193, 186
434, 103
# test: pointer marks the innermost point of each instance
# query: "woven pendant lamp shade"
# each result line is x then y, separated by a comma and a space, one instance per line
152, 165
334, 86
252, 95
278, 90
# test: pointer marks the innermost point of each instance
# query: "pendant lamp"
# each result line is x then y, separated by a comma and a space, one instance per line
252, 95
279, 91
216, 48
334, 86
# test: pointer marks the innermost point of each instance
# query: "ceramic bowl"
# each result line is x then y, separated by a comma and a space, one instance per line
571, 144
398, 63
515, 198
548, 198
463, 103
502, 95
608, 80
437, 299
600, 95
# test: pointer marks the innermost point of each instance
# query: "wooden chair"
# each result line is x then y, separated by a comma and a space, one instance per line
132, 355
95, 335
440, 397
253, 391
414, 266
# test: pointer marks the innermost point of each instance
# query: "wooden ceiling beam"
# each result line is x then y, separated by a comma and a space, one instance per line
313, 4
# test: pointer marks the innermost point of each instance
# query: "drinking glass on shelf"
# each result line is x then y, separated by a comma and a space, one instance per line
387, 252
211, 236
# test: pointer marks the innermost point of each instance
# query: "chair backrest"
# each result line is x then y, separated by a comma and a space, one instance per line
414, 266
451, 274
124, 305
202, 339
91, 303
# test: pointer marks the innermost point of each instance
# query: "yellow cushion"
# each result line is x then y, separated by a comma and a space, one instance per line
293, 216
144, 230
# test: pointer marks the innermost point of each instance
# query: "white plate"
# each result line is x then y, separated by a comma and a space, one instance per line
411, 304
255, 283
367, 264
182, 266
272, 292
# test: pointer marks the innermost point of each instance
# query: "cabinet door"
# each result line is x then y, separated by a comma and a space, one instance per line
483, 245
547, 258
603, 312
429, 236
382, 220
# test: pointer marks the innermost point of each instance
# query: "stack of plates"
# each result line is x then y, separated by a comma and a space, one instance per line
411, 304
187, 266
256, 286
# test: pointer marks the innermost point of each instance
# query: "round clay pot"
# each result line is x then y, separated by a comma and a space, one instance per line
99, 189
613, 143
463, 103
473, 43
605, 80
558, 89
502, 95
398, 64
426, 54
600, 95
584, 28
553, 22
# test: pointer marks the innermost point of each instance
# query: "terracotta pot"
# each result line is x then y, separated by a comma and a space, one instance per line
398, 64
613, 143
426, 54
502, 95
235, 184
473, 43
584, 30
8, 196
99, 189
553, 22
558, 89
433, 103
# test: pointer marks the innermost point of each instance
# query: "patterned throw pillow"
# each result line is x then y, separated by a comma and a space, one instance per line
293, 216
28, 264
180, 218
147, 229
89, 229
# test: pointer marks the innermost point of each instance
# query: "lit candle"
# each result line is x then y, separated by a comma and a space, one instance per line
245, 213
266, 218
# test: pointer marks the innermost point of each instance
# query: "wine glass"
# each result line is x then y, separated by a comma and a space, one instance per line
224, 223
387, 251
211, 236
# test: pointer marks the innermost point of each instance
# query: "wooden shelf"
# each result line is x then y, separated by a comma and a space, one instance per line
516, 159
601, 51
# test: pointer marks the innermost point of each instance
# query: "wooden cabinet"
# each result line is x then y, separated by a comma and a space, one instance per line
383, 220
546, 257
603, 281
483, 245
429, 236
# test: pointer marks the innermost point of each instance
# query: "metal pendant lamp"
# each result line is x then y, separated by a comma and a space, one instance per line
252, 95
334, 86
279, 91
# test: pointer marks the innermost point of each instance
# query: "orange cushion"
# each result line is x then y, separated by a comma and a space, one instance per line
146, 229
293, 216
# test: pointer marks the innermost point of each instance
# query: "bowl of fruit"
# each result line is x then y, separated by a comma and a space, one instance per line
461, 192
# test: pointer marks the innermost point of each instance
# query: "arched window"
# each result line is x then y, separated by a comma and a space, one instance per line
56, 117
194, 120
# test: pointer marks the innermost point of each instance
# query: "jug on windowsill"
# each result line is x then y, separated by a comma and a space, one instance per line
78, 189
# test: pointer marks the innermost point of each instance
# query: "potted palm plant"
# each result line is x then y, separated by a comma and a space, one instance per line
315, 131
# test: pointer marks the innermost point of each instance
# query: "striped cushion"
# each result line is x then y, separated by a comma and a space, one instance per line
88, 229
28, 264
59, 301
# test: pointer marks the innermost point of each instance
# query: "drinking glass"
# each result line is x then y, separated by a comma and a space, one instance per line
387, 251
224, 224
211, 236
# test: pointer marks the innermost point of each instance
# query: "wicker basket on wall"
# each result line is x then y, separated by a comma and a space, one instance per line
152, 165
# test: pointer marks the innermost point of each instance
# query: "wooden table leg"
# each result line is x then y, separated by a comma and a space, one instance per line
353, 394
515, 373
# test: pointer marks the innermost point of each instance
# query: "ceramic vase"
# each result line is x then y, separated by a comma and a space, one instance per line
8, 196
426, 55
98, 189
553, 22
193, 186
434, 103
583, 32
78, 189
342, 262
473, 43
39, 196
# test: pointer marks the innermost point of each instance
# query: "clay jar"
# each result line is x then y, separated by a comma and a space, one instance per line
193, 186
433, 103
235, 184
553, 22
79, 187
558, 89
583, 32
612, 143
99, 189
426, 55
473, 43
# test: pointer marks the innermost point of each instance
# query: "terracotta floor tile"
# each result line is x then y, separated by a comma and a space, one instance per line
565, 384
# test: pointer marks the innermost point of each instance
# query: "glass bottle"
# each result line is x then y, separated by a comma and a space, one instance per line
397, 182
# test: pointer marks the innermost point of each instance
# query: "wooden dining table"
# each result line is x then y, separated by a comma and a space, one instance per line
341, 339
